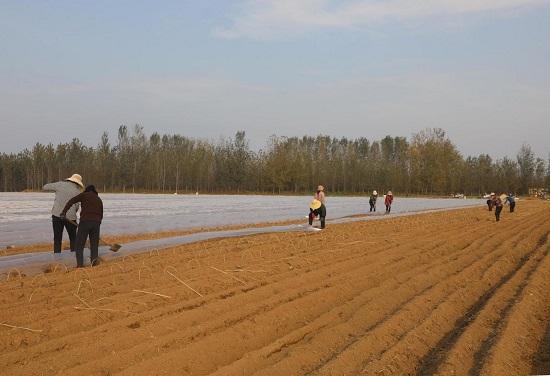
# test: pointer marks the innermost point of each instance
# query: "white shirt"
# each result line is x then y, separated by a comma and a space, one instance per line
64, 191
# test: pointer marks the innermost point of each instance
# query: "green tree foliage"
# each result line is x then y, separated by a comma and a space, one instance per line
540, 173
436, 165
134, 162
526, 165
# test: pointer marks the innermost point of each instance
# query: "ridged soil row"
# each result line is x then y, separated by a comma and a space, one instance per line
281, 318
73, 300
337, 287
368, 347
166, 280
208, 248
437, 331
173, 359
483, 327
209, 360
119, 270
59, 292
517, 348
61, 340
344, 324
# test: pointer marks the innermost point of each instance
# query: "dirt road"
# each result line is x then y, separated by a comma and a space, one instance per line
441, 293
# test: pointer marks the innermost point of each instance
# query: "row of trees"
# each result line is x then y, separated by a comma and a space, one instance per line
428, 163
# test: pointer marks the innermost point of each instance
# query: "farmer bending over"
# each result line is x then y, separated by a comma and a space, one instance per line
91, 215
317, 207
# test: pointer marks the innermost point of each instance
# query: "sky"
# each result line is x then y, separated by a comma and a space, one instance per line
479, 69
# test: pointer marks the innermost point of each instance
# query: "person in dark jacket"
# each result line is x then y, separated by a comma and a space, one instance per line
491, 202
91, 215
510, 199
498, 207
372, 201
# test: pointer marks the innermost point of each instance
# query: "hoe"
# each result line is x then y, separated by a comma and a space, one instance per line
113, 247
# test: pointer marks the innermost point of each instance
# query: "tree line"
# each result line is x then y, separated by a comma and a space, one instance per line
429, 163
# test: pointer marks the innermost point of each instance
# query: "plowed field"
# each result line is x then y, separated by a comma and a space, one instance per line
440, 293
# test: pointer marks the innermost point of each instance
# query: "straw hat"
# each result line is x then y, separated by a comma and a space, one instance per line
315, 204
76, 179
375, 193
320, 188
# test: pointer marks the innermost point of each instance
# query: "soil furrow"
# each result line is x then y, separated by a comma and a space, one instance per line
453, 300
516, 348
222, 325
364, 296
342, 317
294, 350
481, 355
431, 362
408, 353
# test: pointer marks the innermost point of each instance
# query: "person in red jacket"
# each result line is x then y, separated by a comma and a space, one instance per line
388, 201
91, 215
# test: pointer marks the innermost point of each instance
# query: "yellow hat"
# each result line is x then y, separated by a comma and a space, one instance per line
76, 179
315, 204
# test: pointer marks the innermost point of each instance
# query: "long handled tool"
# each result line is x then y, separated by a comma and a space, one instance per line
112, 247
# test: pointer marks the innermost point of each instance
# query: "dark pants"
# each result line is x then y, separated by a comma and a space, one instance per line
321, 212
85, 229
498, 209
490, 205
388, 208
58, 226
372, 206
512, 207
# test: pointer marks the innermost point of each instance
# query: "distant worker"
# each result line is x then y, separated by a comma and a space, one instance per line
498, 207
388, 200
314, 210
491, 201
372, 201
318, 208
64, 191
91, 215
510, 199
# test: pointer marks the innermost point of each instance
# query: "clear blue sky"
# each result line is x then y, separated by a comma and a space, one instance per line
478, 69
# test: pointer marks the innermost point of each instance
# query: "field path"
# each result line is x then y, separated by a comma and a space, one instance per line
439, 293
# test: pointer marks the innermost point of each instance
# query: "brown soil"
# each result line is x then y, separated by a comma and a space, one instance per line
441, 293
